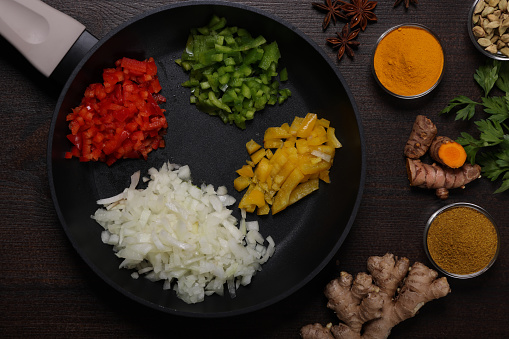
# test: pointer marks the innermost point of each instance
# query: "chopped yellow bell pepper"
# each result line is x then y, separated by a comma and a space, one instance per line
246, 171
310, 168
318, 136
331, 138
281, 176
304, 152
276, 133
241, 183
307, 125
297, 121
286, 127
263, 170
268, 154
282, 198
279, 157
313, 176
252, 146
323, 122
264, 210
278, 161
269, 196
291, 151
245, 202
273, 143
290, 142
324, 176
303, 189
302, 146
257, 156
255, 197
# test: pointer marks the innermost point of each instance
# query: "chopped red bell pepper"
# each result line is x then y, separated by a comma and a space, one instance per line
134, 66
119, 118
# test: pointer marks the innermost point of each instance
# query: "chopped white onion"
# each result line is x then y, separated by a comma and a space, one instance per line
322, 155
135, 178
252, 226
182, 234
222, 190
227, 200
112, 199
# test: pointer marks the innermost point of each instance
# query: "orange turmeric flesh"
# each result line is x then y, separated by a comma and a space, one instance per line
447, 152
452, 154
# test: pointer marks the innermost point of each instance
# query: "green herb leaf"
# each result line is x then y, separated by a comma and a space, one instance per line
503, 78
496, 164
465, 113
505, 184
491, 132
487, 75
492, 146
497, 107
489, 166
470, 144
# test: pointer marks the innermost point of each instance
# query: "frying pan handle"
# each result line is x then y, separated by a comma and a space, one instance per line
43, 35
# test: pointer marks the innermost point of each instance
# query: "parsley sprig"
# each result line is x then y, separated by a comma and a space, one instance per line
491, 148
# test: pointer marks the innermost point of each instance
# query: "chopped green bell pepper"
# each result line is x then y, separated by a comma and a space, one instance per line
231, 74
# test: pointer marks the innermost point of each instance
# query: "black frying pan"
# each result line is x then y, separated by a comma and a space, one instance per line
307, 234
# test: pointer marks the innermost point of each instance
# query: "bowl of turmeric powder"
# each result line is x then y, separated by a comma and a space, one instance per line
462, 240
408, 61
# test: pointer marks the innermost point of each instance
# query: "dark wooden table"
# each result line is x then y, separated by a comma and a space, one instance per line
47, 290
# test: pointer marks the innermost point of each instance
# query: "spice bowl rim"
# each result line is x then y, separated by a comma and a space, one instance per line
382, 36
474, 207
470, 26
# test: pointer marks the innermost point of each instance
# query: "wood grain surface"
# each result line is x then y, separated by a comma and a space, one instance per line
47, 290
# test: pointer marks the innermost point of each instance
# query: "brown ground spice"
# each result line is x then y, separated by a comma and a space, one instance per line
462, 240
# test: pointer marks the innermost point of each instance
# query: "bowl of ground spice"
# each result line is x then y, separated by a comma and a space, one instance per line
462, 240
408, 61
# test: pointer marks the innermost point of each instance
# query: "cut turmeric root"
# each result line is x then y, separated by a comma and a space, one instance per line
449, 172
448, 152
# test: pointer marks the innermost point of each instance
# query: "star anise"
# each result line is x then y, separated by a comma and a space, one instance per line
360, 11
333, 10
345, 41
407, 2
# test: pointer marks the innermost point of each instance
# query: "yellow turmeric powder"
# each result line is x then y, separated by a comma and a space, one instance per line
408, 61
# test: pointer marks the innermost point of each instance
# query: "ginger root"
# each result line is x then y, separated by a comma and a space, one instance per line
447, 152
440, 178
421, 137
370, 305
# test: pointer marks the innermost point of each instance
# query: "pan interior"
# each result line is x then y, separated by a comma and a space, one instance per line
307, 234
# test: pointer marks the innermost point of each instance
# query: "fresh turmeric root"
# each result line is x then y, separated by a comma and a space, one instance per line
374, 304
442, 179
421, 137
451, 170
447, 152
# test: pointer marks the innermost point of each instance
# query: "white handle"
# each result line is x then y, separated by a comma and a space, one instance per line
40, 32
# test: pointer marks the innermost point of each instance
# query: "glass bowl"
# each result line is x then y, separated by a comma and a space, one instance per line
448, 208
470, 25
404, 95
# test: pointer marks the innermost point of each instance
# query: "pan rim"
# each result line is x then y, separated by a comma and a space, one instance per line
291, 290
